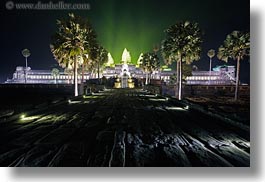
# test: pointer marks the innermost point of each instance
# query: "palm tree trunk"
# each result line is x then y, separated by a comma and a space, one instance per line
26, 71
237, 78
210, 70
83, 73
75, 77
146, 78
177, 81
180, 79
98, 70
149, 78
92, 73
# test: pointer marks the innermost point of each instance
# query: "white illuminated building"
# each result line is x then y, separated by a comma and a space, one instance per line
222, 75
43, 77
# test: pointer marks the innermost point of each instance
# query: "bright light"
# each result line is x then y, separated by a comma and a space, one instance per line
110, 60
22, 116
126, 57
99, 94
94, 96
175, 108
158, 100
29, 118
146, 95
74, 102
186, 107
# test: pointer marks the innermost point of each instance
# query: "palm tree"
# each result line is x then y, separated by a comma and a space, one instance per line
102, 58
182, 44
87, 63
91, 42
55, 72
155, 64
211, 54
236, 46
26, 54
149, 63
69, 44
99, 56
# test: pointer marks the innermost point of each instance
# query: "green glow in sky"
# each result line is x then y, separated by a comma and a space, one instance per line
122, 24
139, 25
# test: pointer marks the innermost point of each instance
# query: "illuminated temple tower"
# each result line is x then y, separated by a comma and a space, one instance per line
126, 57
124, 78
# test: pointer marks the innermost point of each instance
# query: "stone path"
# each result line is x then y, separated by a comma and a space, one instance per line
121, 128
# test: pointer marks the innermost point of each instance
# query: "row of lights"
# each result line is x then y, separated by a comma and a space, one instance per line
52, 77
202, 78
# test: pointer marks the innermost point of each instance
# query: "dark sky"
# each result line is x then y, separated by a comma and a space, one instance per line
137, 25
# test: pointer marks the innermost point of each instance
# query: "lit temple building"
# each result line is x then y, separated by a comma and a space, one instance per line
222, 75
111, 70
46, 77
42, 77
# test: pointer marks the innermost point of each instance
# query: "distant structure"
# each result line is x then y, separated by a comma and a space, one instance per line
42, 77
221, 75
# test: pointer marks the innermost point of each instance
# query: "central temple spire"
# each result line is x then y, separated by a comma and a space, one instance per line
126, 57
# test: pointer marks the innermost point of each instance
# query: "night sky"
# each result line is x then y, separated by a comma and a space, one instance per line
137, 25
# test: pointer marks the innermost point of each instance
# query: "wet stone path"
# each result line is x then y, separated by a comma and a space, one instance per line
121, 128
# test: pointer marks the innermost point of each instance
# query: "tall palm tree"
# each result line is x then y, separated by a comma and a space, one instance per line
99, 56
236, 46
26, 54
149, 63
211, 54
55, 72
182, 44
102, 58
91, 40
69, 44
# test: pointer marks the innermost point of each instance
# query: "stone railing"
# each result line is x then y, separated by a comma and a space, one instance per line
199, 90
